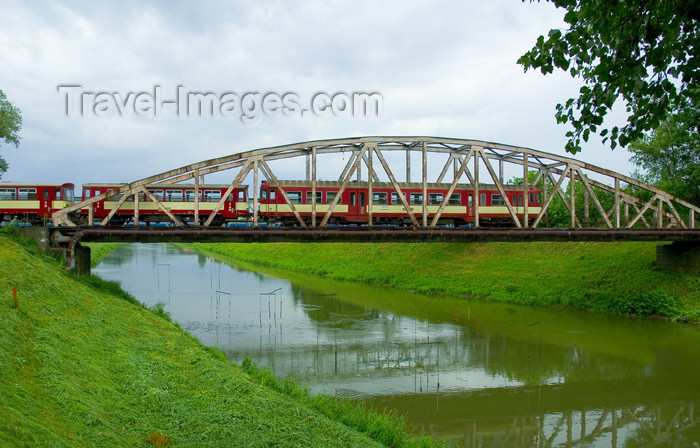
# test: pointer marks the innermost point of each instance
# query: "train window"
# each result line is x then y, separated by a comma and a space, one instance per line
416, 198
8, 194
435, 198
497, 199
212, 195
482, 199
532, 197
520, 200
158, 194
57, 194
455, 199
330, 196
352, 198
116, 197
395, 198
263, 195
362, 199
46, 194
273, 195
379, 198
319, 197
173, 195
470, 201
241, 195
189, 195
27, 194
294, 197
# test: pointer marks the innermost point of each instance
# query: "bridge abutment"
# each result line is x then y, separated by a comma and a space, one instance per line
42, 235
679, 256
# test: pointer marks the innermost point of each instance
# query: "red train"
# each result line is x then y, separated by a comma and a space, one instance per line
179, 199
34, 203
387, 207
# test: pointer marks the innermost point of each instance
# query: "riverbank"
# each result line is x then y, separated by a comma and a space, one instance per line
83, 364
100, 250
615, 278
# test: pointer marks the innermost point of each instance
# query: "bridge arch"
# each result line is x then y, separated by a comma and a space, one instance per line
461, 161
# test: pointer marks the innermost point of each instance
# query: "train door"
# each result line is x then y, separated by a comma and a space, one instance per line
357, 205
470, 205
272, 201
98, 207
45, 196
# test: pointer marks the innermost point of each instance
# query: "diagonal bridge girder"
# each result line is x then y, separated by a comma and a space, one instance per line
459, 152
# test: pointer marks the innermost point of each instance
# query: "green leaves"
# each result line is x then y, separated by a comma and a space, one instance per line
641, 52
671, 154
10, 121
10, 124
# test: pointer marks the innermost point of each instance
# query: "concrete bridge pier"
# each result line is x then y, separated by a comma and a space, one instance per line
82, 260
679, 256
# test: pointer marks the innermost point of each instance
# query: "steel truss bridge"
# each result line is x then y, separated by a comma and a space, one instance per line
612, 207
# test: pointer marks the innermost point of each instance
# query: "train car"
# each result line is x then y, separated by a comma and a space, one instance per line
33, 202
179, 199
387, 207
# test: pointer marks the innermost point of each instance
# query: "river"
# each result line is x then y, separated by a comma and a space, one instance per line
472, 373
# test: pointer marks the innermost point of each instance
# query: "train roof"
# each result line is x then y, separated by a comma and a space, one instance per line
35, 184
403, 185
201, 186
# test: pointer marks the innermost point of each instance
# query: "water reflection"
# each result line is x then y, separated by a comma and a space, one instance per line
477, 374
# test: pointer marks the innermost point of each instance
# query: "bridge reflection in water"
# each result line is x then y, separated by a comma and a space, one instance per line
446, 387
477, 374
472, 388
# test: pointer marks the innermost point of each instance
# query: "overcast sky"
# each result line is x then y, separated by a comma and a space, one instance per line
444, 69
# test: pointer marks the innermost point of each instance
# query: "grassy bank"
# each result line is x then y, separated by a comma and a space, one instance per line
83, 364
617, 278
100, 250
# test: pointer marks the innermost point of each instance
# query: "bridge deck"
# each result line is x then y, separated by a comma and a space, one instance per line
365, 234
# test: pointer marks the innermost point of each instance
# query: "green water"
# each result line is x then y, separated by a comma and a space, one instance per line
473, 373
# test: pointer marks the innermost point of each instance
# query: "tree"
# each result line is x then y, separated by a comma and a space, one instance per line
642, 51
10, 124
671, 155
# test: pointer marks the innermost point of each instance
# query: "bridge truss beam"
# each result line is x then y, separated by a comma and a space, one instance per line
652, 208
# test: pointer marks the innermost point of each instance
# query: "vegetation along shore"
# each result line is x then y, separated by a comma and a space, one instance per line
616, 278
82, 363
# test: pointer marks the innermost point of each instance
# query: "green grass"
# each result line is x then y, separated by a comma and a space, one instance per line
616, 278
100, 250
82, 364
